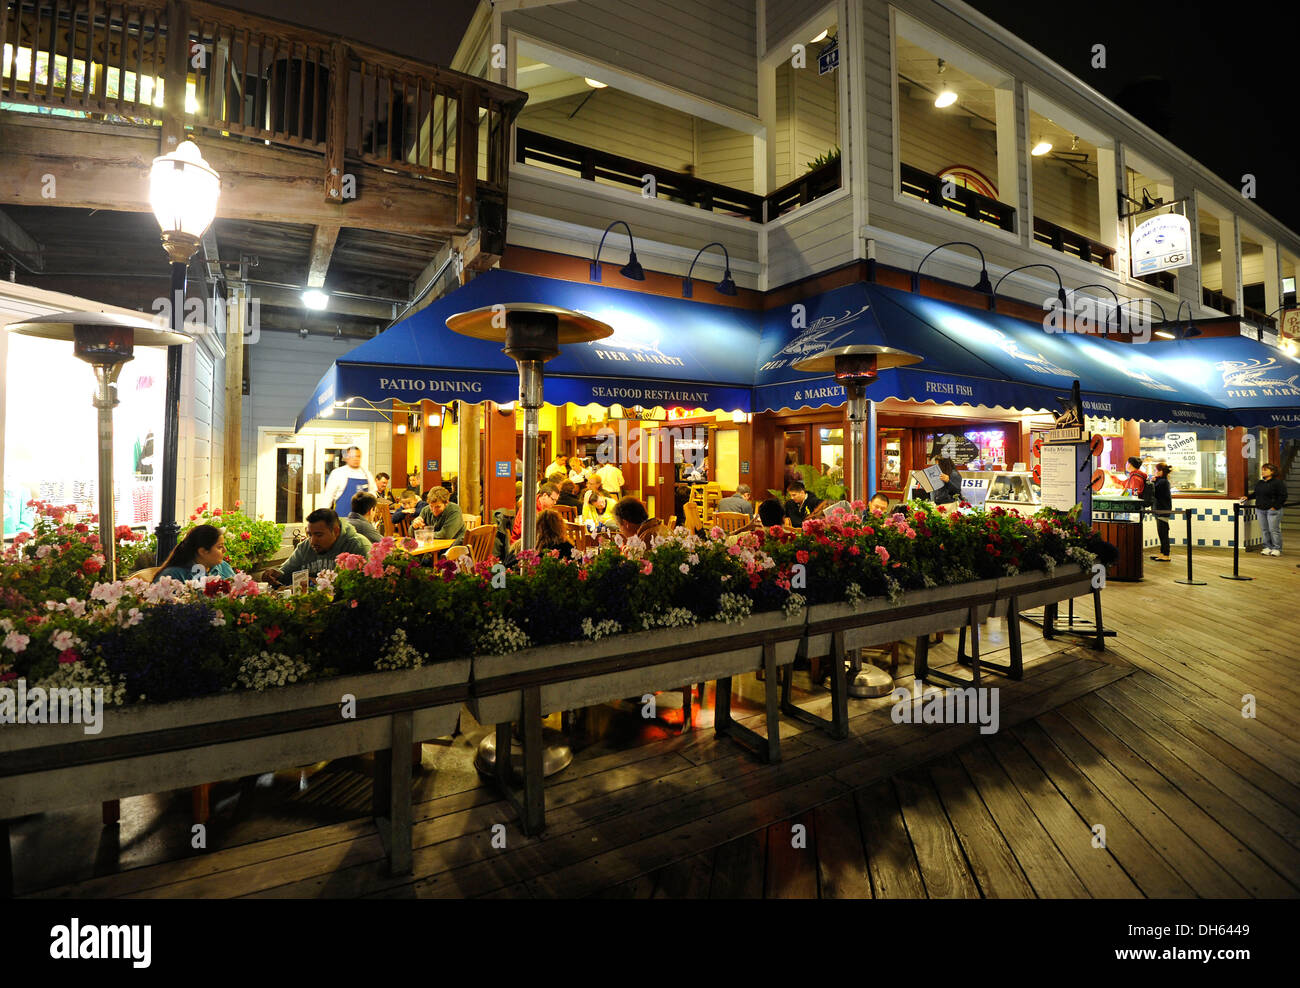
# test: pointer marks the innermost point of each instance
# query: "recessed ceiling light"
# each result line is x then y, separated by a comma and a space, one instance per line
1041, 148
821, 37
594, 84
315, 299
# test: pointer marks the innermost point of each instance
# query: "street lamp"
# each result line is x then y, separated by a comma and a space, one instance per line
531, 334
856, 367
183, 191
105, 341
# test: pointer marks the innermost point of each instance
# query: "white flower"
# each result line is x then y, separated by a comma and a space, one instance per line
42, 551
693, 559
134, 616
500, 637
602, 630
62, 640
677, 617
325, 580
16, 642
854, 593
77, 607
6, 624
264, 669
684, 568
400, 654
218, 620
733, 608
794, 604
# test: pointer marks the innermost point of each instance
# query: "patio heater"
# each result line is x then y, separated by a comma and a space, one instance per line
531, 334
183, 191
105, 341
855, 367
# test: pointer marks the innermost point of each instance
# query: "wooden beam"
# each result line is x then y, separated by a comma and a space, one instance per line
234, 406
15, 240
322, 249
107, 167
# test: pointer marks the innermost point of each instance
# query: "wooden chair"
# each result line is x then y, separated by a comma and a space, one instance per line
671, 523
471, 521
455, 552
579, 536
568, 512
480, 541
147, 574
712, 495
691, 516
731, 521
384, 521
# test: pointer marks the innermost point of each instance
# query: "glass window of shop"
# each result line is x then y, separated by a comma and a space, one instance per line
971, 449
830, 459
1254, 448
48, 394
956, 128
1197, 456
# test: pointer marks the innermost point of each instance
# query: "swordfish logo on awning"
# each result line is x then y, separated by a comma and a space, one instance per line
812, 340
635, 341
1036, 362
1145, 379
1257, 378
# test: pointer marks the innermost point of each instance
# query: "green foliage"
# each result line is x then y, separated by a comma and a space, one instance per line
825, 158
250, 542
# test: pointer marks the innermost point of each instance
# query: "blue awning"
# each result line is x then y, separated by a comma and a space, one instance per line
969, 358
1260, 384
664, 352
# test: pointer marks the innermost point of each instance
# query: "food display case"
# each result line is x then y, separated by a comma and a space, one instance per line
1011, 489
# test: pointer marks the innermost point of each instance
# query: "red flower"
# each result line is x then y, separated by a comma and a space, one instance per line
273, 632
244, 535
81, 527
216, 512
801, 556
68, 656
92, 565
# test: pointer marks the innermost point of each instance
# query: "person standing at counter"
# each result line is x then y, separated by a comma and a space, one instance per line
951, 489
1136, 481
1270, 495
1162, 500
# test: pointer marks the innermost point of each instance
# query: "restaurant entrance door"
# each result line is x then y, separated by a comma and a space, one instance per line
292, 469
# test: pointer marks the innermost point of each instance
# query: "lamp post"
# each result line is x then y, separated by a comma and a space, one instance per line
856, 367
183, 191
105, 341
531, 334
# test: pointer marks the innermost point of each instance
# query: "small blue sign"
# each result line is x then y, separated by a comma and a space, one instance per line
829, 59
503, 468
433, 466
744, 466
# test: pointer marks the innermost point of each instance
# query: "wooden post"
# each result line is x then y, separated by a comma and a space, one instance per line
469, 423
467, 156
336, 126
500, 492
175, 72
235, 329
399, 796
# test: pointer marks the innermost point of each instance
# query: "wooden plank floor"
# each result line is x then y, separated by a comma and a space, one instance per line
1129, 773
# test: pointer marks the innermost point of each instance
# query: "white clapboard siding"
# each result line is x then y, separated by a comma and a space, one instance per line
1065, 197
217, 465
1252, 266
726, 156
619, 123
570, 200
705, 49
934, 139
814, 238
782, 138
784, 16
816, 115
197, 484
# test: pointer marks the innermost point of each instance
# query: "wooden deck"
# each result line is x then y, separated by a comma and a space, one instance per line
1146, 741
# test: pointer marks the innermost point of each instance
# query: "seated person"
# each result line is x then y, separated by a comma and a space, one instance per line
384, 488
742, 502
550, 535
547, 495
771, 514
800, 504
408, 506
569, 495
878, 503
442, 516
450, 482
631, 517
598, 512
681, 494
362, 515
328, 535
205, 548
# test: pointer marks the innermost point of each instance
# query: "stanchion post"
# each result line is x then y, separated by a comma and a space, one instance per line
1190, 581
1236, 547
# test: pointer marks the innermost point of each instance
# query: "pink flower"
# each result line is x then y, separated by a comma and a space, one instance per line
647, 567
348, 560
42, 551
354, 603
62, 640
883, 553
16, 642
244, 536
716, 533
238, 503
409, 544
684, 568
68, 657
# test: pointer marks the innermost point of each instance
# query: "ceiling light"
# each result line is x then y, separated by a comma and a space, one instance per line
401, 429
1164, 335
1041, 148
594, 84
946, 97
820, 37
315, 299
433, 421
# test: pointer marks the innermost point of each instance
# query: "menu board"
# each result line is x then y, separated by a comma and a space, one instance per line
1059, 482
1182, 453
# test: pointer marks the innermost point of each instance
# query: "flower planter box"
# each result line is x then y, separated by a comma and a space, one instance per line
581, 674
1037, 589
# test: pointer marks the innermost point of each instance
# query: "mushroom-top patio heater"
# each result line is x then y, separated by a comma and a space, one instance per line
532, 334
105, 341
856, 367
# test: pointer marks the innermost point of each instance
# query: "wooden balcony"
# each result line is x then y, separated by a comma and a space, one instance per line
389, 142
1076, 244
920, 184
1217, 300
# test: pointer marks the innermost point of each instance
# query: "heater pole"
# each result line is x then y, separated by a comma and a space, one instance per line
530, 397
106, 379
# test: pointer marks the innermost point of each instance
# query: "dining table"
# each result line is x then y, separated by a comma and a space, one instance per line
435, 547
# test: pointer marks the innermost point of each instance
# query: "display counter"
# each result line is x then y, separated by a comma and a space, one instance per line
1007, 488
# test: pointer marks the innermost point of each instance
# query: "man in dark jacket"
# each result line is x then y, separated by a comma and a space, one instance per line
363, 513
800, 504
442, 516
1270, 494
327, 537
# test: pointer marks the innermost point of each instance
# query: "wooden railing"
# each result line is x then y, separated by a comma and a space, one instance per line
593, 164
930, 188
1164, 280
1217, 300
1069, 242
1259, 318
803, 190
242, 76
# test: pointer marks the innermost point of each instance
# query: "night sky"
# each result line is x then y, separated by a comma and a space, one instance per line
1219, 80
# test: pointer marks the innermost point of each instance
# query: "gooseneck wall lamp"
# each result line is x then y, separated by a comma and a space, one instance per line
632, 270
183, 191
1060, 285
984, 285
1164, 316
1104, 288
727, 286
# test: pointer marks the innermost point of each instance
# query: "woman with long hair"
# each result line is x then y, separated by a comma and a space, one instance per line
951, 489
1162, 501
204, 547
551, 534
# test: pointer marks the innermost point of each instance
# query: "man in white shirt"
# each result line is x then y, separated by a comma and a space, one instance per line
611, 479
346, 480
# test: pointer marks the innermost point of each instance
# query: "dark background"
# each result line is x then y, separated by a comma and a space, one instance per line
1217, 79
